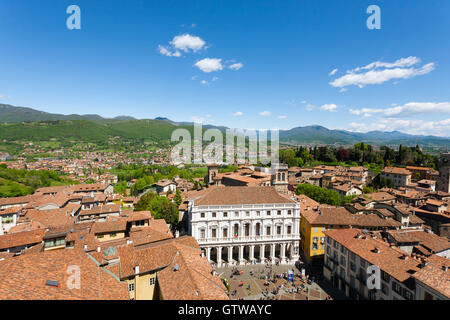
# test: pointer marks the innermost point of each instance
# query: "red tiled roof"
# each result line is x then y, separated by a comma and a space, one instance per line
241, 195
24, 278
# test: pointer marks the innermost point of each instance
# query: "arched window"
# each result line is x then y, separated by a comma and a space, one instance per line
236, 230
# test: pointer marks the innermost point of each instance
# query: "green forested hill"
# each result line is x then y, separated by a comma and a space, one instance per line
19, 123
88, 131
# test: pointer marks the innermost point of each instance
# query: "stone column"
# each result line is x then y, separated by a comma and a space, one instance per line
208, 254
219, 256
241, 254
261, 252
230, 255
283, 253
294, 250
252, 253
272, 252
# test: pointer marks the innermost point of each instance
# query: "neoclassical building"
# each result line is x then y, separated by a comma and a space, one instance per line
245, 224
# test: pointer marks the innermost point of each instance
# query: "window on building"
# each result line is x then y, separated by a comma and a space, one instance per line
278, 230
214, 233
236, 214
384, 288
343, 250
428, 296
225, 214
202, 234
131, 287
352, 266
314, 246
225, 233
258, 213
279, 212
113, 235
336, 245
407, 294
268, 231
289, 229
289, 211
268, 212
328, 250
152, 281
247, 213
343, 261
202, 215
386, 277
352, 256
396, 287
328, 240
362, 262
214, 215
316, 229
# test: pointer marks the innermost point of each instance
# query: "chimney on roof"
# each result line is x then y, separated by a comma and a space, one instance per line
376, 250
85, 247
99, 249
136, 270
404, 257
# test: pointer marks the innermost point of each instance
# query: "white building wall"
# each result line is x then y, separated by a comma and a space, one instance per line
241, 215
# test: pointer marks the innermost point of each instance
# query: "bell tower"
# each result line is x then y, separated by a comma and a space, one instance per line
280, 178
443, 182
213, 171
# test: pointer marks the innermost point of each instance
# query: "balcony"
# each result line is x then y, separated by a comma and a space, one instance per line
232, 240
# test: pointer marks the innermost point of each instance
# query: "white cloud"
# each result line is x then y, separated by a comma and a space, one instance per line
265, 113
333, 72
408, 109
411, 126
215, 79
310, 107
186, 42
379, 72
237, 114
329, 107
204, 82
343, 90
166, 52
282, 117
403, 62
236, 66
209, 64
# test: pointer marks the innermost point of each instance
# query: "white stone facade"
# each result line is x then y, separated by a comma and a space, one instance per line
250, 233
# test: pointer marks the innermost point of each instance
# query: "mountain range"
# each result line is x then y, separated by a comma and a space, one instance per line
17, 123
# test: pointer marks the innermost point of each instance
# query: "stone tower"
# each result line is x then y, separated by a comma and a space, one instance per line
443, 182
213, 171
280, 178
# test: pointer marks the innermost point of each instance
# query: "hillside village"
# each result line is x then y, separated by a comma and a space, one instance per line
235, 219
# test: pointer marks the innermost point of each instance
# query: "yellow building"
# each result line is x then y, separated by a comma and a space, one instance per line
315, 220
310, 234
172, 269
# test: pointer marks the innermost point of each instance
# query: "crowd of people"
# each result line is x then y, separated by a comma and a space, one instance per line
291, 283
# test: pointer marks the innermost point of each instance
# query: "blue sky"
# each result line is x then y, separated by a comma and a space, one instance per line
249, 64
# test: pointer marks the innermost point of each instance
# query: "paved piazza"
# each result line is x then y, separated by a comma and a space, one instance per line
255, 276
